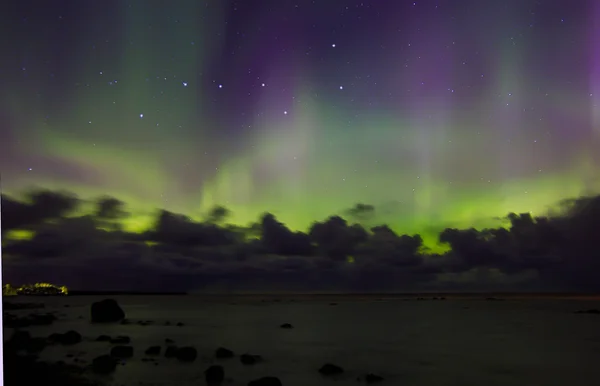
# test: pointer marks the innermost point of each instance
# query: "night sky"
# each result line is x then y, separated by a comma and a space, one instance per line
438, 113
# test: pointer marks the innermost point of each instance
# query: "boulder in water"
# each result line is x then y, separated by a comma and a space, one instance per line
171, 352
104, 364
153, 351
373, 378
266, 381
248, 359
223, 353
18, 341
121, 340
69, 338
214, 375
121, 352
187, 354
35, 345
103, 338
107, 311
329, 369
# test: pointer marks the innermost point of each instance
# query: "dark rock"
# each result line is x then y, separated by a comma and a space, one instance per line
19, 370
187, 354
169, 341
171, 352
286, 325
55, 337
153, 351
41, 320
36, 345
104, 338
214, 375
329, 369
266, 381
179, 324
372, 378
333, 304
70, 338
22, 340
248, 359
12, 321
125, 322
19, 340
121, 352
120, 340
223, 353
492, 299
107, 311
104, 364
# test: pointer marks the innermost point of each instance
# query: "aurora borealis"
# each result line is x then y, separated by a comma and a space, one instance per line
438, 113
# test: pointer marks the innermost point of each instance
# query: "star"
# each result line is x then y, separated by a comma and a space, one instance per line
263, 85
285, 112
341, 87
333, 45
141, 115
185, 84
30, 169
220, 86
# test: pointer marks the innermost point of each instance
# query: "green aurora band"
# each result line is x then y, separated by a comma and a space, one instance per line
288, 165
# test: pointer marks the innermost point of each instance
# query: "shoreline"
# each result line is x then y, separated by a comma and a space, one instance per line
375, 295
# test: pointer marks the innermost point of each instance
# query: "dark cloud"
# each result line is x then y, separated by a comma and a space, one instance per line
361, 212
38, 206
110, 208
545, 253
218, 214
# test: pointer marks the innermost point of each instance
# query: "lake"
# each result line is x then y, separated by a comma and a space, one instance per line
455, 342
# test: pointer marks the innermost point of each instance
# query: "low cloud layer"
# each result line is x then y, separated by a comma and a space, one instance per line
93, 252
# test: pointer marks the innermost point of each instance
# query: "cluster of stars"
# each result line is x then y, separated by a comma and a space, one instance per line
412, 57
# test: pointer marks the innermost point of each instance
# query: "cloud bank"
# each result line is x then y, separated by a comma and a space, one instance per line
94, 252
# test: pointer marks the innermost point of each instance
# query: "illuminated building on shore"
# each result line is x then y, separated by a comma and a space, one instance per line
37, 289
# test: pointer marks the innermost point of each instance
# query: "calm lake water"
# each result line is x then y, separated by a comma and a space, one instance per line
451, 343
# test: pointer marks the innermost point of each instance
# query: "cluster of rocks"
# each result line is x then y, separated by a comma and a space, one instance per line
22, 341
36, 319
21, 350
330, 370
26, 370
